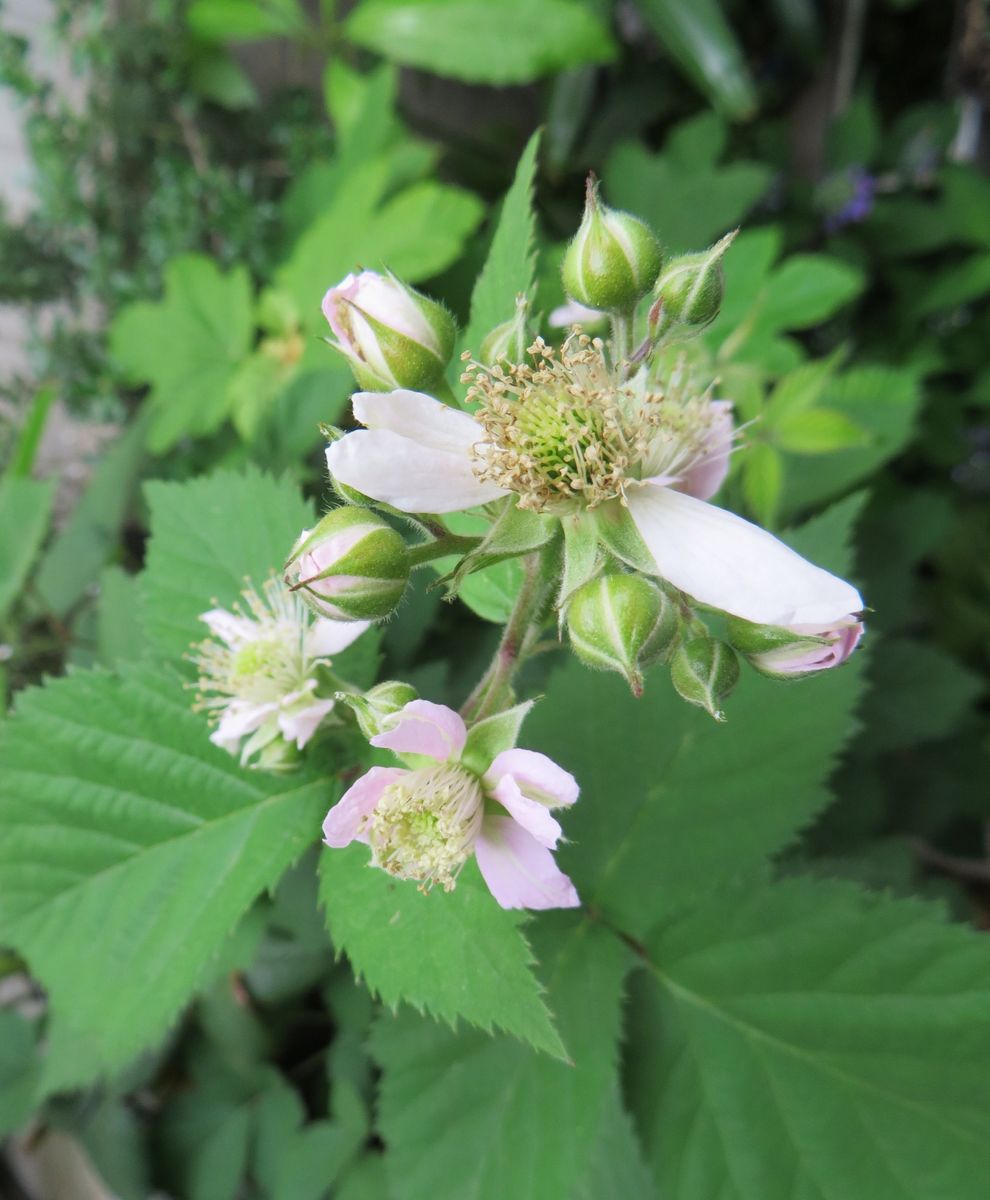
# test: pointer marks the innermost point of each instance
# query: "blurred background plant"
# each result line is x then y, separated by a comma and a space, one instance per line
231, 158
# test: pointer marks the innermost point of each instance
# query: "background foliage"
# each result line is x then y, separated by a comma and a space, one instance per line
776, 986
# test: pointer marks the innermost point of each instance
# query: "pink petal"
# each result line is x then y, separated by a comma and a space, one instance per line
343, 821
706, 477
421, 727
533, 816
521, 873
538, 777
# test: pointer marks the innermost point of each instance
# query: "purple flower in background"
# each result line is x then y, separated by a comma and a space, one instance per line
847, 197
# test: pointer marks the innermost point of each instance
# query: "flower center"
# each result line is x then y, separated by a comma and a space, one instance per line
424, 826
566, 431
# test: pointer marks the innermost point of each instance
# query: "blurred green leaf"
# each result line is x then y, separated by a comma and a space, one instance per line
698, 38
119, 633
950, 287
762, 480
187, 346
805, 290
817, 431
25, 509
19, 1071
92, 535
683, 193
26, 446
513, 41
245, 20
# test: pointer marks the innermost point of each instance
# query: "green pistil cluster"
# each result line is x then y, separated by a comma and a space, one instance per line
424, 826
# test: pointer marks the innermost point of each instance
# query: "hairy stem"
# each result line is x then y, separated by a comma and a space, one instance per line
518, 639
440, 547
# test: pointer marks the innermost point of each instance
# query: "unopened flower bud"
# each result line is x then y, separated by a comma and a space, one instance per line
621, 623
351, 567
704, 671
793, 653
372, 708
509, 340
689, 290
393, 336
614, 258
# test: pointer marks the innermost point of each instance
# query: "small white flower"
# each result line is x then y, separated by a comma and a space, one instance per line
257, 673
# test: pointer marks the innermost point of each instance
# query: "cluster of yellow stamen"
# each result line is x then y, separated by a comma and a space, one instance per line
425, 825
565, 429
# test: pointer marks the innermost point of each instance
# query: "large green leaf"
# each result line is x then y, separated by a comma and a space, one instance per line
508, 270
812, 1040
513, 41
453, 955
207, 536
699, 39
187, 346
25, 507
500, 1120
131, 848
672, 802
617, 1170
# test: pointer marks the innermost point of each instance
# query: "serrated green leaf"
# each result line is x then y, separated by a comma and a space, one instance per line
672, 803
207, 536
809, 1039
617, 1170
25, 508
512, 41
500, 1120
509, 268
186, 346
454, 954
131, 848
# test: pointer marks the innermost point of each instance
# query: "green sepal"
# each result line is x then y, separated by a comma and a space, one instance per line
582, 557
617, 530
515, 531
491, 736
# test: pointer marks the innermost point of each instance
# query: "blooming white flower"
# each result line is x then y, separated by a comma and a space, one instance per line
567, 434
257, 673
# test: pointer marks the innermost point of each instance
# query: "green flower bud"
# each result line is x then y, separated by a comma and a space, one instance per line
621, 623
704, 671
393, 336
614, 257
689, 291
372, 708
510, 340
351, 567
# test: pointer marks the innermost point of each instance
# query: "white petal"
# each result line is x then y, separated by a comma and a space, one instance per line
406, 474
327, 637
298, 725
419, 417
229, 627
705, 478
727, 563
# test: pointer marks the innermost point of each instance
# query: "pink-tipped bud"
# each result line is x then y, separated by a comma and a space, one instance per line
393, 336
793, 653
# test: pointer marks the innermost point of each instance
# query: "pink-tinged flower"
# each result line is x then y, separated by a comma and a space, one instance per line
567, 434
459, 797
257, 673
